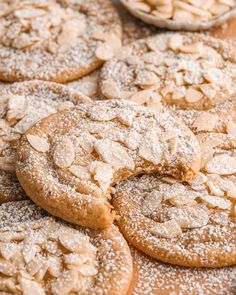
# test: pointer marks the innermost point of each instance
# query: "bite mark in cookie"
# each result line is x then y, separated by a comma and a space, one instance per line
95, 146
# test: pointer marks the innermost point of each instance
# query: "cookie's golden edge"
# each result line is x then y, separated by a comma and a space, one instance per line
126, 210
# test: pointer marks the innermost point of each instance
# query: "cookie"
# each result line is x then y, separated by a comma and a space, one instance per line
182, 15
190, 224
155, 278
68, 162
41, 255
191, 71
21, 106
58, 40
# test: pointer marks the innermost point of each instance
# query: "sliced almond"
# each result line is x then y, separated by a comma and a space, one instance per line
40, 144
222, 164
64, 153
206, 122
102, 173
169, 229
114, 154
6, 268
29, 287
80, 172
192, 95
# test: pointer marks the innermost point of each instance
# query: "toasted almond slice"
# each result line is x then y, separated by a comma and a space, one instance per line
218, 8
222, 164
206, 122
216, 202
79, 171
175, 42
208, 90
169, 229
189, 217
29, 252
64, 153
111, 90
29, 287
180, 14
40, 144
114, 154
193, 95
64, 284
54, 266
192, 9
102, 173
150, 149
6, 268
140, 6
104, 52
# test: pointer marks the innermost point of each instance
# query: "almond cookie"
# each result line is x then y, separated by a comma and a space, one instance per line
21, 106
191, 71
190, 224
68, 162
56, 40
41, 255
182, 14
155, 278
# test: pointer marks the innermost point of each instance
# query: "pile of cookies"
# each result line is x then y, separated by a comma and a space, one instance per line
117, 150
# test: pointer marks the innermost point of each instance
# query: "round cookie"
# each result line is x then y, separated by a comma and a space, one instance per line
21, 106
69, 161
56, 40
41, 255
190, 224
191, 71
155, 278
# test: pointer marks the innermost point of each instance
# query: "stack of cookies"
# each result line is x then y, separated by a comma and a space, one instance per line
117, 148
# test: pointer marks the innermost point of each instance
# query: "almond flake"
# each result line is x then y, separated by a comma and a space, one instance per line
80, 172
64, 153
29, 287
150, 148
114, 154
64, 284
193, 95
222, 164
102, 173
6, 267
38, 143
169, 229
189, 217
206, 122
215, 202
